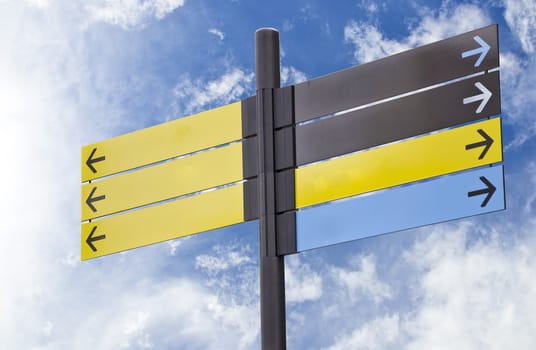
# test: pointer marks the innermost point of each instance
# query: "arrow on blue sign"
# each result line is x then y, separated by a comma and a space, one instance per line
488, 191
419, 204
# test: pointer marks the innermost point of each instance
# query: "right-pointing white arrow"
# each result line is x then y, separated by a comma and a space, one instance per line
483, 97
482, 50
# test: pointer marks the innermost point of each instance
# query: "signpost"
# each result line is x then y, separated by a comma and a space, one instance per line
405, 141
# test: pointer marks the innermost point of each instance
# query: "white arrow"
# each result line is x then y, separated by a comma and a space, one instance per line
482, 50
484, 97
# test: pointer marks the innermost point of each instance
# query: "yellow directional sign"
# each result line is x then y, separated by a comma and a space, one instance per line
202, 212
164, 141
399, 163
163, 181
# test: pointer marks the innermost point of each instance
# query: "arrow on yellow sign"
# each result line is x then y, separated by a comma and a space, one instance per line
91, 199
91, 239
488, 141
91, 161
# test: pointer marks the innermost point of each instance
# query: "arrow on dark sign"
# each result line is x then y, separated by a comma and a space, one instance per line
486, 143
483, 97
489, 191
90, 239
90, 199
90, 161
482, 51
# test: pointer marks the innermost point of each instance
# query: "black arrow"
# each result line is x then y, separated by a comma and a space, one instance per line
91, 160
90, 199
90, 239
490, 190
488, 141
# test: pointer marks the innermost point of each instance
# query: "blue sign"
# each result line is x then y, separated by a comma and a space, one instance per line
440, 199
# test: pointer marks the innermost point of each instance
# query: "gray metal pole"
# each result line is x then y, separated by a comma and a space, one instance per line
272, 267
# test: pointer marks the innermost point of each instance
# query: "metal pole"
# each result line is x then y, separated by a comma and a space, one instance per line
272, 267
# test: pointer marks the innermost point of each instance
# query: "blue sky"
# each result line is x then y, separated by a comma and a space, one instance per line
77, 72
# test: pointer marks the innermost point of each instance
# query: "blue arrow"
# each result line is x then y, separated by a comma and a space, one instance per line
483, 97
482, 50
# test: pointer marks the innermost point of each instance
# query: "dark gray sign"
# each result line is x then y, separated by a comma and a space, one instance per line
427, 65
417, 114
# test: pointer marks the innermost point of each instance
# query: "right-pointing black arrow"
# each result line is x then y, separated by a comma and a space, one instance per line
91, 160
488, 141
90, 199
90, 239
490, 190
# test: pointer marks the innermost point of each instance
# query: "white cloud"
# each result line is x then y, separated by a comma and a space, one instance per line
371, 7
217, 33
48, 328
195, 95
362, 280
473, 297
378, 334
518, 85
54, 98
287, 25
530, 203
291, 75
39, 144
224, 258
156, 316
175, 243
462, 293
370, 44
130, 13
301, 282
518, 95
232, 270
521, 17
40, 4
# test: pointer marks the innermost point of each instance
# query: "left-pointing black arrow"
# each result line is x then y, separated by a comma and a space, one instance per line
90, 161
90, 239
90, 199
489, 190
486, 143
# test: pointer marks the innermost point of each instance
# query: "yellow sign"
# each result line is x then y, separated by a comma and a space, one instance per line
163, 181
202, 212
399, 163
164, 141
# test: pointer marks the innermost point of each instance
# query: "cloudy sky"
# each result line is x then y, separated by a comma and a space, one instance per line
77, 72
